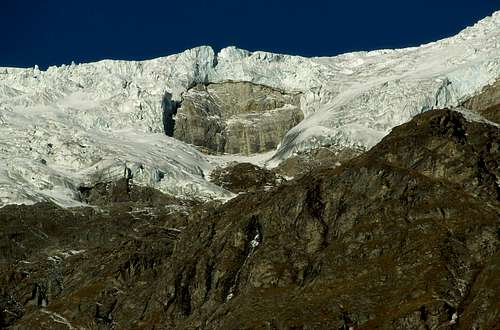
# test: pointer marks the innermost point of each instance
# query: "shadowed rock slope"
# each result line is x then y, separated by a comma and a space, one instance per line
405, 236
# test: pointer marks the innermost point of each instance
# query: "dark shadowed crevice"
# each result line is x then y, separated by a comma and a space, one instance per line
169, 109
424, 313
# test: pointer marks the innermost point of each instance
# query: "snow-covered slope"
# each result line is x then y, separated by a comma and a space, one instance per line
79, 124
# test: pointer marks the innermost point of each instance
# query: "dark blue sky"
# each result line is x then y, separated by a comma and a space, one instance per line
55, 32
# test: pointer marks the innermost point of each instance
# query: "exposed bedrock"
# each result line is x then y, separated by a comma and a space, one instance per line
235, 117
487, 103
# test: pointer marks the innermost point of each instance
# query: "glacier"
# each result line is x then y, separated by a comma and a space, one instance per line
76, 125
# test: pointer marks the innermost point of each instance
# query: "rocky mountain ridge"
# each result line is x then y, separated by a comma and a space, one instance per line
403, 236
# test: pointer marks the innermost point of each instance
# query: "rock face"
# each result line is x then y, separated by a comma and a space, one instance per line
236, 117
86, 255
405, 236
487, 103
83, 255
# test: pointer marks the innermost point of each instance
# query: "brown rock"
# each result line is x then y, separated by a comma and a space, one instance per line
487, 103
236, 117
403, 236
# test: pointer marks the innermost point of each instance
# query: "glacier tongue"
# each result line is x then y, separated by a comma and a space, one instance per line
80, 124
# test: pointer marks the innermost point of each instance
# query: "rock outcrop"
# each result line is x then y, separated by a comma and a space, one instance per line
487, 103
236, 117
245, 177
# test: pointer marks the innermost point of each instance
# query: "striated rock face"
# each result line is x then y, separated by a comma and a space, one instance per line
404, 236
236, 117
487, 103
